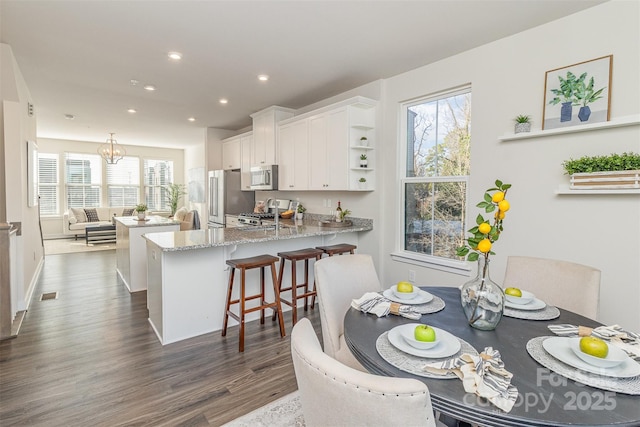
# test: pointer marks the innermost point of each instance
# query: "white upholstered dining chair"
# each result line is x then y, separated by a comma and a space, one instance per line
564, 284
339, 279
333, 394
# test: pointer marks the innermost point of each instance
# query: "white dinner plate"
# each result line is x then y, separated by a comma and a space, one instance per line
526, 298
536, 304
560, 348
448, 345
423, 297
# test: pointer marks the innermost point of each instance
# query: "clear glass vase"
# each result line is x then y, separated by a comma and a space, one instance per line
482, 299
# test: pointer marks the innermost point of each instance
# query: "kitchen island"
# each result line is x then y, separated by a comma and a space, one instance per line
187, 272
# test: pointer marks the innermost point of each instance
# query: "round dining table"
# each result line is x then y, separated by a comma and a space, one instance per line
544, 397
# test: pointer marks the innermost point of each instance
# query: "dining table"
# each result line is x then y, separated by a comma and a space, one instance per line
545, 398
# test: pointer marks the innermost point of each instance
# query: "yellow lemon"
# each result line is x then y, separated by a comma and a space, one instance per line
500, 214
484, 228
497, 197
504, 206
514, 292
484, 246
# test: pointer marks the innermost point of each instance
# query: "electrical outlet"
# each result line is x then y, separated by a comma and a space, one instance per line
412, 276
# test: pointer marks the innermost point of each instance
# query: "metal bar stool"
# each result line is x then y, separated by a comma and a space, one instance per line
293, 257
340, 248
244, 264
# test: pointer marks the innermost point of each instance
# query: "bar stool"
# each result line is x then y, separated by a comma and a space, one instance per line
293, 257
340, 248
244, 264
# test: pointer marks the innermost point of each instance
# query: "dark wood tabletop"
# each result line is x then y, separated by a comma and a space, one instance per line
545, 398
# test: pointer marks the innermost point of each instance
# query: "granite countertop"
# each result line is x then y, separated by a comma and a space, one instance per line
290, 229
150, 221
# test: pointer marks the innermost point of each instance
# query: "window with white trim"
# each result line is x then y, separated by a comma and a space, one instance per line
434, 186
123, 182
157, 175
48, 189
83, 180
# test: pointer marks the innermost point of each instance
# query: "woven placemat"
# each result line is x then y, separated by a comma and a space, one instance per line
618, 385
548, 313
414, 364
433, 306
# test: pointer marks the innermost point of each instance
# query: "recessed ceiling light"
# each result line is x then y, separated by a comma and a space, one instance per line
150, 88
132, 110
69, 116
223, 100
176, 56
133, 82
263, 77
192, 119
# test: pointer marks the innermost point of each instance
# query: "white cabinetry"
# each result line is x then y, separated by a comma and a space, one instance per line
264, 134
328, 150
231, 154
293, 156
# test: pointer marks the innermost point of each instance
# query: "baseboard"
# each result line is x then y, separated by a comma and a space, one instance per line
32, 284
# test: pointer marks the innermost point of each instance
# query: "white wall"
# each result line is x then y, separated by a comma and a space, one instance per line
52, 225
507, 79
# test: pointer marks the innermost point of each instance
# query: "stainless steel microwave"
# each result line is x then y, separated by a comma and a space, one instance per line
264, 177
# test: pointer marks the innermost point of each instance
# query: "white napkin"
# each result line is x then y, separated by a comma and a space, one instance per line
373, 302
483, 375
627, 341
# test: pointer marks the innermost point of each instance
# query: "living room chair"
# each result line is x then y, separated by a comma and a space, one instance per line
564, 284
333, 394
339, 279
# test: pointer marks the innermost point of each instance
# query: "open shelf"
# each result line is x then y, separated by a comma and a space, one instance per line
565, 190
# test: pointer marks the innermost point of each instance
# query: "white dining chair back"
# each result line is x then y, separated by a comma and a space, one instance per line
340, 279
333, 394
564, 284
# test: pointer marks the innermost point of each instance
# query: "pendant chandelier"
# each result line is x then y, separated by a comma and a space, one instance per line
111, 151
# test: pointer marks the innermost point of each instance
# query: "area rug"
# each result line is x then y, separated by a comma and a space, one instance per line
285, 411
68, 246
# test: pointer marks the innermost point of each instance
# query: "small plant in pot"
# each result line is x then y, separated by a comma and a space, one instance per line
363, 161
300, 210
364, 141
362, 183
523, 123
141, 209
613, 171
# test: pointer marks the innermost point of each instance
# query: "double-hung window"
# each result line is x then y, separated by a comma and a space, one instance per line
123, 182
434, 186
157, 175
83, 180
48, 189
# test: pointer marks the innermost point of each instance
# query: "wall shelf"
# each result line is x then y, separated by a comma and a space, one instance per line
619, 122
565, 190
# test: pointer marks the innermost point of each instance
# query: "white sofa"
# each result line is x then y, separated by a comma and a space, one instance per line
74, 221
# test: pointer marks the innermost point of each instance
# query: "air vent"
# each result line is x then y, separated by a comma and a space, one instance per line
48, 296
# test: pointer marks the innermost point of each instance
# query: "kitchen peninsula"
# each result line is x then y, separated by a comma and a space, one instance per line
187, 270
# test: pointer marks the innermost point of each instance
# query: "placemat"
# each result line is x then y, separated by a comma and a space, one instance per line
618, 385
414, 364
548, 313
433, 306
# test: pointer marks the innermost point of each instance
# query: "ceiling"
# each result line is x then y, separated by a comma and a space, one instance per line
79, 57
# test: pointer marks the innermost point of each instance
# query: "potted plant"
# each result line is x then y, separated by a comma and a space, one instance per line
613, 171
362, 183
364, 141
523, 123
344, 214
173, 194
300, 211
141, 209
363, 160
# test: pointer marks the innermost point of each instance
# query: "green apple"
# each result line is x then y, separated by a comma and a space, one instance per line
404, 287
514, 292
424, 333
594, 347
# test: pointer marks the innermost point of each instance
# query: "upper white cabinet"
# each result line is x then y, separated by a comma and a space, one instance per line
328, 150
293, 156
264, 134
231, 153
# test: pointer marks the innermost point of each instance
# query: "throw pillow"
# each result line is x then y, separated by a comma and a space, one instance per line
78, 214
92, 215
127, 212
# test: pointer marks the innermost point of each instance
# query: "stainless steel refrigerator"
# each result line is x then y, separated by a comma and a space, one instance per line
226, 197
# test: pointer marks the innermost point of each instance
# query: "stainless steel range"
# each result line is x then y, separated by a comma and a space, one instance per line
253, 218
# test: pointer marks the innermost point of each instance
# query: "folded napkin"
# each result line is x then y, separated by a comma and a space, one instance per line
483, 375
627, 341
373, 302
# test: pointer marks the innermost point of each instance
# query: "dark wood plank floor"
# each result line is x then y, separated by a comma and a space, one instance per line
90, 357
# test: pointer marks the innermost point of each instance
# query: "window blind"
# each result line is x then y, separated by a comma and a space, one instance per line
123, 182
48, 184
157, 174
83, 180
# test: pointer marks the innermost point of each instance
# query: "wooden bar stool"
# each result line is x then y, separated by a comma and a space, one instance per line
340, 248
244, 264
293, 257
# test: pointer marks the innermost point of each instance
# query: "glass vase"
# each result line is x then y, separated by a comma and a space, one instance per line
482, 299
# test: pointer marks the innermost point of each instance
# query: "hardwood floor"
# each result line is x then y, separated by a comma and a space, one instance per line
90, 357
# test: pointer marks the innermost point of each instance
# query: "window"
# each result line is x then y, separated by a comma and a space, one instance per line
48, 184
123, 182
157, 174
83, 178
438, 135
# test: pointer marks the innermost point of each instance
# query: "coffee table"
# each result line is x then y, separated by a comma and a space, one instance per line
100, 233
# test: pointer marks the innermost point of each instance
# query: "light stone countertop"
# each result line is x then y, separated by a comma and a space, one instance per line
150, 221
290, 229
